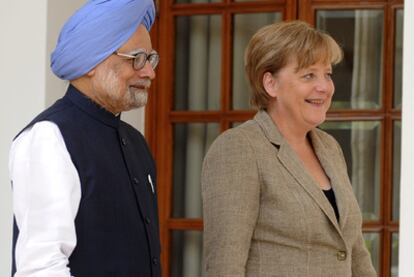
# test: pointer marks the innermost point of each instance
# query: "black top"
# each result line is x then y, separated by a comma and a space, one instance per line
331, 197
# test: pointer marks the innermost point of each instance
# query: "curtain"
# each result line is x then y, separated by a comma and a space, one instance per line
366, 88
198, 88
200, 92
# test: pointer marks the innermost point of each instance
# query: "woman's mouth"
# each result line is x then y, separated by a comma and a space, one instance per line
315, 101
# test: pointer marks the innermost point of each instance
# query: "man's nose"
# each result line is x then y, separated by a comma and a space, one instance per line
147, 71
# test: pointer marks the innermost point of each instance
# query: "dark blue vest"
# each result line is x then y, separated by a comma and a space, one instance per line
117, 222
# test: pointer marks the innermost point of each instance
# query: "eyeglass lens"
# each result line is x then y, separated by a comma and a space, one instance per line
141, 59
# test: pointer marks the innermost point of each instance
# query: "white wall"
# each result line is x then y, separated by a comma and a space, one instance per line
28, 33
406, 244
22, 79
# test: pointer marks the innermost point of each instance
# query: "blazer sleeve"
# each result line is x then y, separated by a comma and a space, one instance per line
361, 259
231, 195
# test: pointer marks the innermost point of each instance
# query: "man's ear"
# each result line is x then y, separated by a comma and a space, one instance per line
270, 84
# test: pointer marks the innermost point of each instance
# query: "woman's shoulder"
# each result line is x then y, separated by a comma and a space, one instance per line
243, 132
236, 138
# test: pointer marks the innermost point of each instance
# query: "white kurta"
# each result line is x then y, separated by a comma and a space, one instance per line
46, 197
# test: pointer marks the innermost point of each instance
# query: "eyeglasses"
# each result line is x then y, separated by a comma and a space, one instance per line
140, 58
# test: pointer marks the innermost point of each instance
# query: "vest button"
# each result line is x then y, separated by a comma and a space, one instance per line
341, 255
147, 220
135, 180
123, 141
154, 261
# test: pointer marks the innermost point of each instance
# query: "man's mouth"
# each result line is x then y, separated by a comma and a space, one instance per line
140, 87
141, 84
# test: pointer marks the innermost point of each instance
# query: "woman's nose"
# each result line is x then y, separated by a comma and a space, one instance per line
324, 85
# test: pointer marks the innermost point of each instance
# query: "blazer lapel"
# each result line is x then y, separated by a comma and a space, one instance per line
328, 160
295, 167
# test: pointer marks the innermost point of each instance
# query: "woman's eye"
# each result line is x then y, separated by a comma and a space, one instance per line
308, 76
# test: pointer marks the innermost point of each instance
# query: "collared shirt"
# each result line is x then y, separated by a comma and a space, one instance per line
46, 197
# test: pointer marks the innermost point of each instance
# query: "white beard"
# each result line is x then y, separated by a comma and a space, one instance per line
107, 79
137, 97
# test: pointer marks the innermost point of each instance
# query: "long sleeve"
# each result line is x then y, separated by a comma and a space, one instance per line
46, 197
361, 260
231, 200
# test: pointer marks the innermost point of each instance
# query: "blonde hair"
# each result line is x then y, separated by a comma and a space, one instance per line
273, 46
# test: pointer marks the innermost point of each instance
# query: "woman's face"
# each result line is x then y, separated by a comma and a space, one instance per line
301, 97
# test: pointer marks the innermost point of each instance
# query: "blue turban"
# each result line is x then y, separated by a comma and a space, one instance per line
95, 31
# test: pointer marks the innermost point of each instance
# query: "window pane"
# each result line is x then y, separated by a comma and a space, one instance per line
360, 142
358, 78
197, 62
373, 245
245, 25
394, 255
235, 124
396, 170
398, 57
191, 142
186, 254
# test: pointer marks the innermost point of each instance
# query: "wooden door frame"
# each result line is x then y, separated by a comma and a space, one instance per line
160, 117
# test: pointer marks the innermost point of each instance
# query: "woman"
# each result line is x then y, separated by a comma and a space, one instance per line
277, 199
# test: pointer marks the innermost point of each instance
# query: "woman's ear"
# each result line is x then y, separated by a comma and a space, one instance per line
270, 84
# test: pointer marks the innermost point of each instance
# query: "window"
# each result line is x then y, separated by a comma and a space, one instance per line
200, 91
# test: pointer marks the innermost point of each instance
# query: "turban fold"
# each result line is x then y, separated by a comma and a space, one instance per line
95, 31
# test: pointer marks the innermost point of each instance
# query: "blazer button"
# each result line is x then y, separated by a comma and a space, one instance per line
147, 220
341, 255
154, 261
135, 180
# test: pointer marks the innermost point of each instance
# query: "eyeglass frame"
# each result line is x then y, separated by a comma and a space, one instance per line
135, 56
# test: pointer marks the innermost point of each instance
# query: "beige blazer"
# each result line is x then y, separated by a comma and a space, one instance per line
264, 215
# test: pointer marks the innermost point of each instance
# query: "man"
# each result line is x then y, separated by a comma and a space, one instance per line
84, 186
